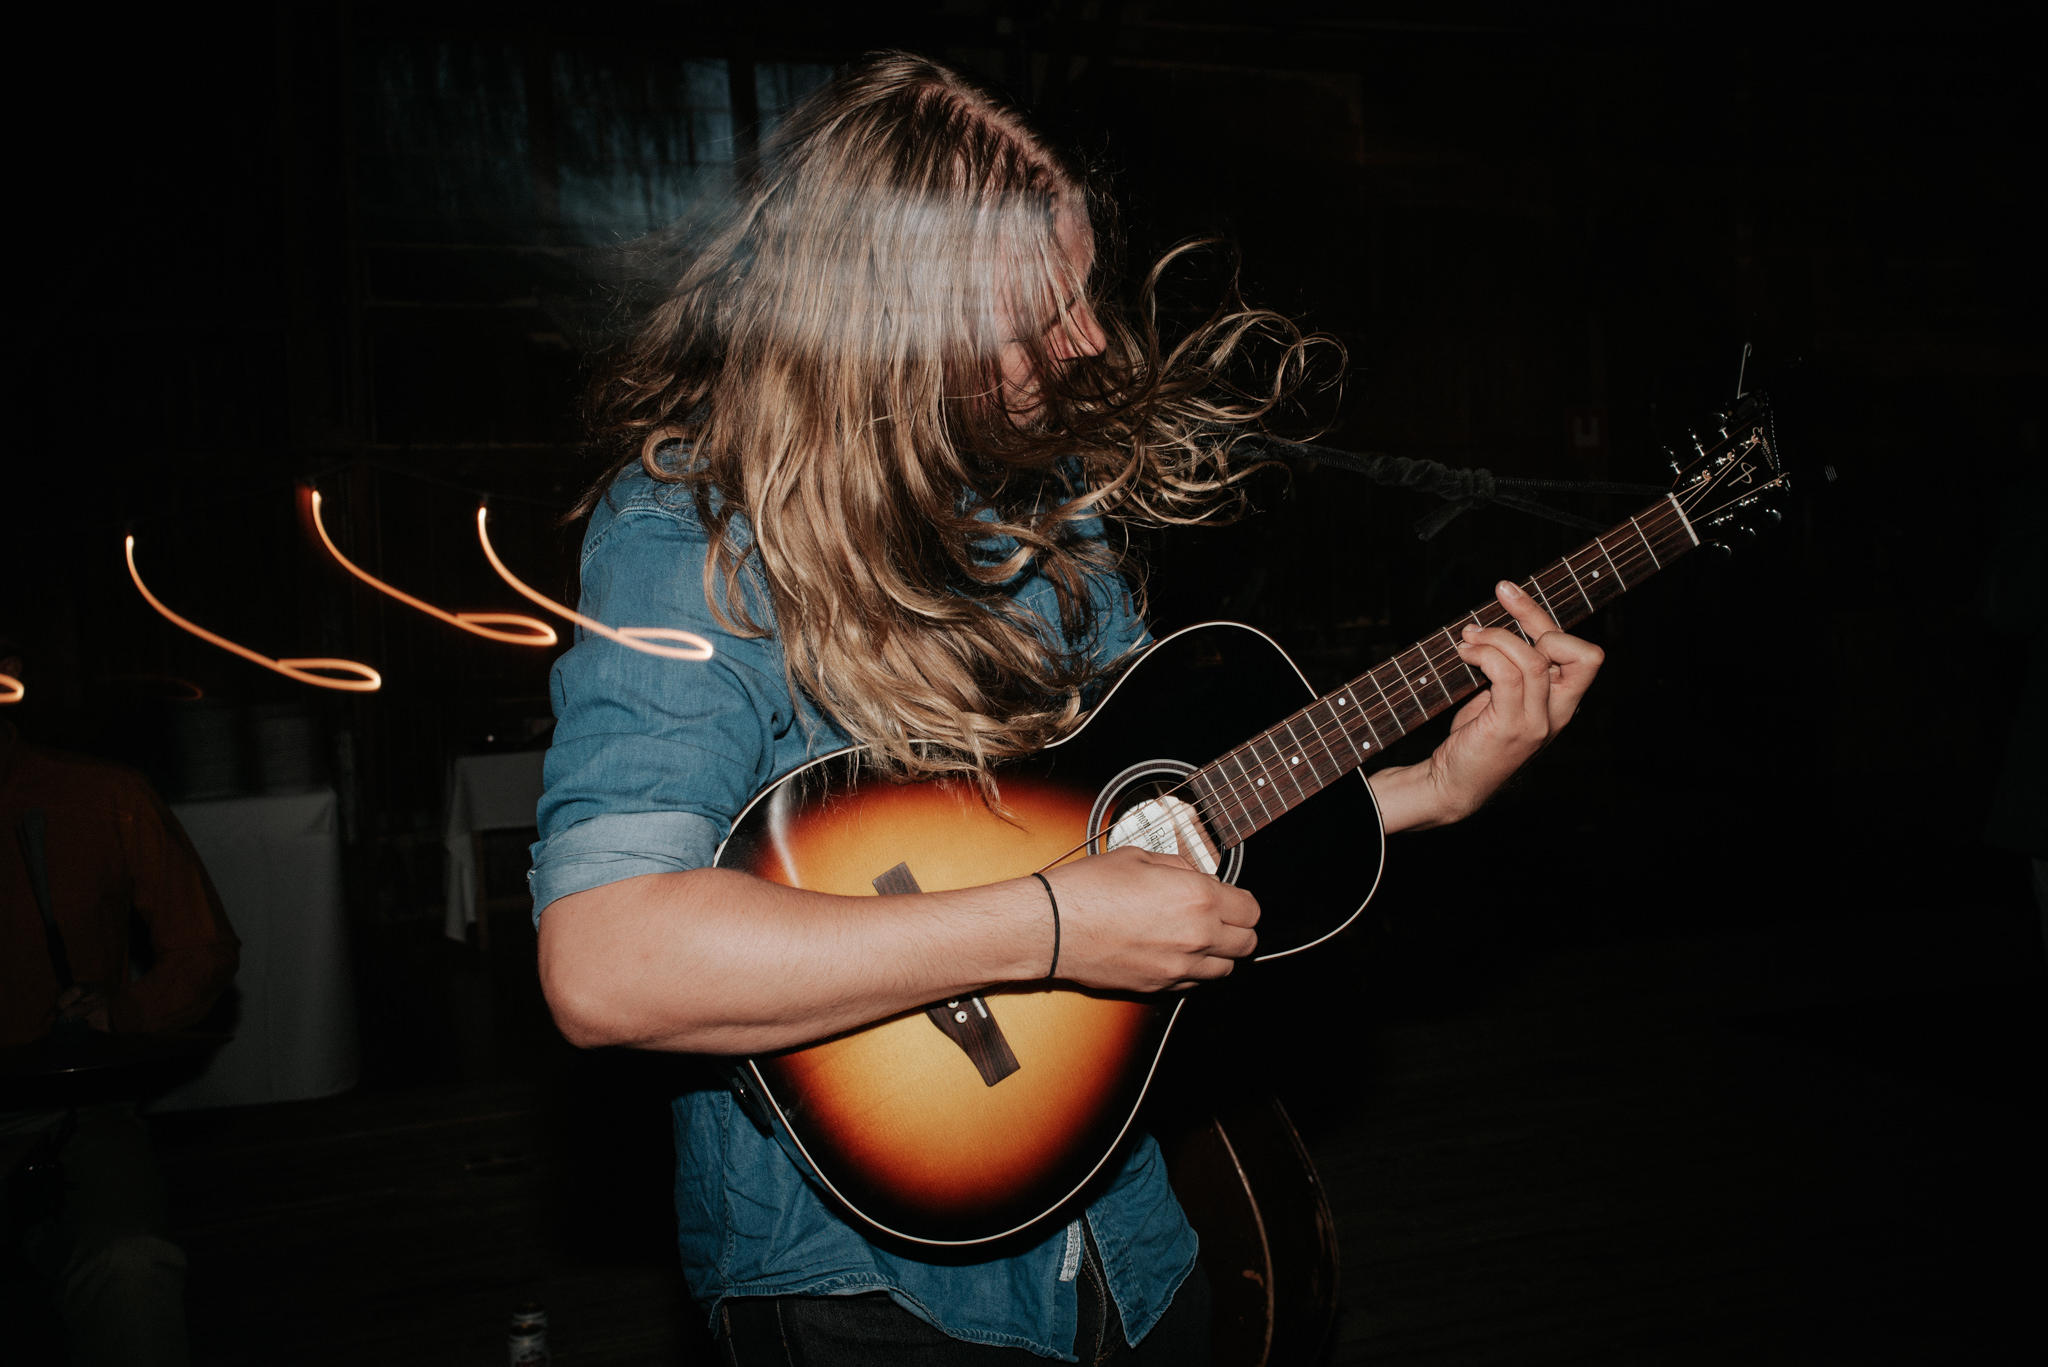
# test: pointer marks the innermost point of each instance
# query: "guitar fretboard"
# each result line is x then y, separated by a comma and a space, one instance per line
1280, 768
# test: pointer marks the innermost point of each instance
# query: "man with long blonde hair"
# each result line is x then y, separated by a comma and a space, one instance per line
869, 444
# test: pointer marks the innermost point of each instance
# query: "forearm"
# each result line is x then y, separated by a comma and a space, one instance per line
1411, 797
714, 961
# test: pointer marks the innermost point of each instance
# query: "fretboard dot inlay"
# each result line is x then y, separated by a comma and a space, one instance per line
1295, 760
1262, 783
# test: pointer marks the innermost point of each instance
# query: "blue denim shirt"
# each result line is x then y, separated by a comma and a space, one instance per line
652, 759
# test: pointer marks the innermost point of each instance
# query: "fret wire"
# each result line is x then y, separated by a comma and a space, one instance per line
1224, 786
1600, 571
1240, 791
1340, 763
1378, 687
1240, 825
1301, 755
1603, 577
1318, 754
1341, 725
1436, 671
1587, 597
1309, 753
1251, 787
1646, 543
1273, 765
1436, 668
1395, 661
1672, 533
1601, 542
1207, 809
1351, 691
1470, 673
1395, 698
1613, 570
1536, 586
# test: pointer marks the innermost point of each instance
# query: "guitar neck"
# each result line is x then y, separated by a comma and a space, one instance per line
1282, 767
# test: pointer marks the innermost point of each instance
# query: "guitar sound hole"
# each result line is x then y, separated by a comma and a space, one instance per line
1148, 806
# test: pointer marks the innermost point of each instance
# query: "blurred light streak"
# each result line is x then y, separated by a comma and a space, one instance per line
533, 631
368, 680
696, 647
11, 690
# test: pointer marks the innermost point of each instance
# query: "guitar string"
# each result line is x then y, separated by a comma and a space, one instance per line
1232, 793
1651, 526
1227, 805
1234, 790
1333, 765
1230, 810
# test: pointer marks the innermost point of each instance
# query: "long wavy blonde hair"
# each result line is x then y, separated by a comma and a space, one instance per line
829, 361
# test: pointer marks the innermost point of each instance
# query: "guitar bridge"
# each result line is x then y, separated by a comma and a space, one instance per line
966, 1021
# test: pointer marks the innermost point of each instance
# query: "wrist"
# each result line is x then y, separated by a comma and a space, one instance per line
1416, 797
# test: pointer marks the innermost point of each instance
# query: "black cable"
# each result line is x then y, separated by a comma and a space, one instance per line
1460, 489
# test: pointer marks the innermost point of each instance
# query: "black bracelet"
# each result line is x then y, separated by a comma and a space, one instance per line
1055, 924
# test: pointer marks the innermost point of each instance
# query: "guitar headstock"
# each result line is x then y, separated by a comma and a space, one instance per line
1730, 477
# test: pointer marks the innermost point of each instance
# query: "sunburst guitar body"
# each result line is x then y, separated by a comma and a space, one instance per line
979, 1118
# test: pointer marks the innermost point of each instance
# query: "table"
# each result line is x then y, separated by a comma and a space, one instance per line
277, 864
485, 793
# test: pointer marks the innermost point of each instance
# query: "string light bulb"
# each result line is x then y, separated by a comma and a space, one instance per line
11, 690
694, 647
531, 631
366, 680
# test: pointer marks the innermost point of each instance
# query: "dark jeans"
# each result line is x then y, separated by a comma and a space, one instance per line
873, 1331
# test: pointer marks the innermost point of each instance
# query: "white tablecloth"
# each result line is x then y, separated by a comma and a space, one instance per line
486, 793
277, 864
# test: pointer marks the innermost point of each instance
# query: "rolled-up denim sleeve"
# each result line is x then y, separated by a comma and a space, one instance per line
609, 849
652, 757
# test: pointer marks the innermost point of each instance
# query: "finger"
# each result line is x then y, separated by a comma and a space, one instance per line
1207, 971
1173, 860
1524, 609
1528, 664
1520, 675
1577, 662
1525, 657
1489, 652
1239, 908
1234, 942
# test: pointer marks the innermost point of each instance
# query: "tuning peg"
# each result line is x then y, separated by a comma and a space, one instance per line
1774, 515
1722, 548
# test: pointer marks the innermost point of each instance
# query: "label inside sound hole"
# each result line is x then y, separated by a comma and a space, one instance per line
1165, 825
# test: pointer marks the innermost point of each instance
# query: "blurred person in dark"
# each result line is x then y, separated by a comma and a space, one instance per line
88, 851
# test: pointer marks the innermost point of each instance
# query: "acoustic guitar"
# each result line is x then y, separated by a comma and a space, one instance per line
978, 1118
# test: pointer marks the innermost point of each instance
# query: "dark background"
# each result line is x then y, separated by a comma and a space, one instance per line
374, 243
